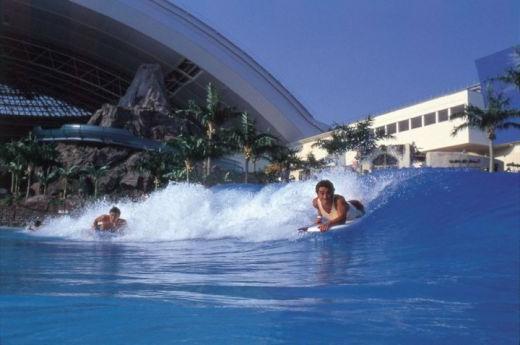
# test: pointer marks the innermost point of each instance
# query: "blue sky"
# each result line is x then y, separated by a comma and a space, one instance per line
346, 59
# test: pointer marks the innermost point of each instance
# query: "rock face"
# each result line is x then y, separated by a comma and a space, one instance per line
143, 110
147, 90
122, 173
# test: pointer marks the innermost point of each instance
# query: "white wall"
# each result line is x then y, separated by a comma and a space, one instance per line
434, 137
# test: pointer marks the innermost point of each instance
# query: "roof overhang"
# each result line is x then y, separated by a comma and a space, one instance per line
122, 34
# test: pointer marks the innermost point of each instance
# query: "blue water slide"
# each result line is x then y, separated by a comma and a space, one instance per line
98, 135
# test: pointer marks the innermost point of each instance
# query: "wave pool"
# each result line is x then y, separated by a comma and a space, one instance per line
435, 261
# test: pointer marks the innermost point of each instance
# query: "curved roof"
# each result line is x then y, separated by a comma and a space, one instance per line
87, 51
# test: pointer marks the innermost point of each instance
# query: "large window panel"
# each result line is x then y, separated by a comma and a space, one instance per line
404, 125
429, 119
442, 115
416, 122
456, 110
391, 128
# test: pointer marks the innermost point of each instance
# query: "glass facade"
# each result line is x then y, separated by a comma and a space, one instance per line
391, 128
416, 121
429, 119
442, 115
456, 110
17, 102
404, 125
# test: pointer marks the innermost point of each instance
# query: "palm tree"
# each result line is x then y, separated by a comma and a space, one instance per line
249, 141
209, 118
35, 155
32, 155
67, 173
45, 176
282, 160
157, 165
313, 163
360, 138
11, 159
189, 149
16, 168
495, 117
95, 173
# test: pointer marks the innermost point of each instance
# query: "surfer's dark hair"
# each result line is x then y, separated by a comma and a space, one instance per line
327, 184
115, 210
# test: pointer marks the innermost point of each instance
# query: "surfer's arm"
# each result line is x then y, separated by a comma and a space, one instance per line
96, 221
315, 205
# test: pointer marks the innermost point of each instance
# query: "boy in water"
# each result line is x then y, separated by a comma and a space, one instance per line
110, 222
334, 207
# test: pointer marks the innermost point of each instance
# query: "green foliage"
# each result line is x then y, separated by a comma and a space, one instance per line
20, 158
189, 149
249, 142
95, 173
205, 121
45, 176
67, 173
282, 160
497, 116
158, 165
359, 137
312, 163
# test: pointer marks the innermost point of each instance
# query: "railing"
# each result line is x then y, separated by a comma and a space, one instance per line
98, 135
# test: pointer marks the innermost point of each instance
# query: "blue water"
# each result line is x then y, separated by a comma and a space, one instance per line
435, 261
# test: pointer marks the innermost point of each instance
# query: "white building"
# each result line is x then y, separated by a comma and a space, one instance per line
426, 126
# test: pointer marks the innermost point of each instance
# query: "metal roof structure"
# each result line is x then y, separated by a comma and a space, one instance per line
84, 53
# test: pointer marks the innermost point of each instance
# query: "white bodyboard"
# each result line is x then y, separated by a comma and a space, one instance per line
315, 228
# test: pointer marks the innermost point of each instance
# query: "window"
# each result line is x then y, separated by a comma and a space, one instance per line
404, 125
429, 119
391, 128
442, 115
456, 110
380, 130
416, 122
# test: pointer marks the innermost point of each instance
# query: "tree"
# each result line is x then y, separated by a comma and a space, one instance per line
208, 119
11, 159
189, 149
67, 173
95, 173
281, 161
360, 138
495, 117
248, 140
45, 176
312, 162
37, 155
16, 168
157, 164
31, 155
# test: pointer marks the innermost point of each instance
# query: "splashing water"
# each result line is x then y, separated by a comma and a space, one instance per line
251, 213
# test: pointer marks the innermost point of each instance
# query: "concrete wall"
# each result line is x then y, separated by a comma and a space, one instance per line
459, 160
509, 153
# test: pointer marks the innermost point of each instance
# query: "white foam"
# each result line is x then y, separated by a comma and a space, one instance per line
189, 211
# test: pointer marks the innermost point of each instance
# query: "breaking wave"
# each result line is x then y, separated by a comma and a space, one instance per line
184, 211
